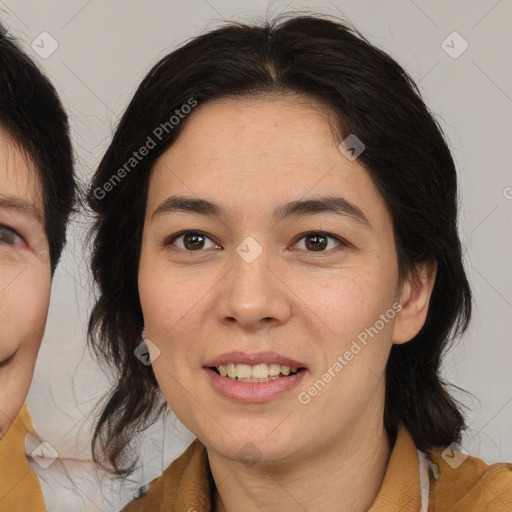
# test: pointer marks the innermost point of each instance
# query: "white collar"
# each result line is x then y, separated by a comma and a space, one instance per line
424, 464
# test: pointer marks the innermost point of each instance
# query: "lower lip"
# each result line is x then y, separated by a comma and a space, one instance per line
253, 392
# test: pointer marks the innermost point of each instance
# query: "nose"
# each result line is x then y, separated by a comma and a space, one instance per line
253, 295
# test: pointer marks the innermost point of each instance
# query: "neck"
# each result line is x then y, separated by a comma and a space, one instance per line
350, 472
15, 379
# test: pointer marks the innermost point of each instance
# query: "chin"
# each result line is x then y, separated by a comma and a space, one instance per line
251, 449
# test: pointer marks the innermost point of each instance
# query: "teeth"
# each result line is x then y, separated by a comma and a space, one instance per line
259, 371
243, 371
231, 370
274, 369
255, 373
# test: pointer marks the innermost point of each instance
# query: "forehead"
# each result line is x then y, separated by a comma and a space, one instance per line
248, 153
273, 127
19, 179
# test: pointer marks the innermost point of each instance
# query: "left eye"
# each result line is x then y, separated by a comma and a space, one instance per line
196, 240
9, 236
319, 242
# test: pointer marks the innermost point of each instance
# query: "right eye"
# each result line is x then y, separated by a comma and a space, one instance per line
9, 236
191, 241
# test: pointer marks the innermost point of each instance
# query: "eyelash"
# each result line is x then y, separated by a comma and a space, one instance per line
11, 232
343, 243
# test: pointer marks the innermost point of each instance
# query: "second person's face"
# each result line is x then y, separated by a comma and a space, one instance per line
25, 277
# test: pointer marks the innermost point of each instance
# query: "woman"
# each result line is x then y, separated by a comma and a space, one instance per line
278, 212
37, 190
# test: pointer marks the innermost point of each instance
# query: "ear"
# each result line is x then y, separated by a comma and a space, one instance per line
414, 298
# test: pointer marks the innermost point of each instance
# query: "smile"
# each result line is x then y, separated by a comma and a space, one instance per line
261, 372
254, 390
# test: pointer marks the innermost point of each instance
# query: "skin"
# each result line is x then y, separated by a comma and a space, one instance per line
25, 277
250, 156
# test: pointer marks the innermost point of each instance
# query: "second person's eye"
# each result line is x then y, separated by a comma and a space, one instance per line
9, 236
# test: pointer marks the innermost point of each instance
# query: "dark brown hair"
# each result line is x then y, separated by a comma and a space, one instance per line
32, 114
406, 156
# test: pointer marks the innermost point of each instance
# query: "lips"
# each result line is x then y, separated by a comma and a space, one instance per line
254, 392
254, 359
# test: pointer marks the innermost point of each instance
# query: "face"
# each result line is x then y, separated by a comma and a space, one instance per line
292, 265
25, 277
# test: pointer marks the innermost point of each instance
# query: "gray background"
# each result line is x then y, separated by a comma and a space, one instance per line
104, 50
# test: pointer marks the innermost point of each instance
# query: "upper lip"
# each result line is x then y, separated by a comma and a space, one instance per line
252, 359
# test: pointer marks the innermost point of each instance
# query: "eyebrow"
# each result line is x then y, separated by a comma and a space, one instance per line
10, 202
300, 208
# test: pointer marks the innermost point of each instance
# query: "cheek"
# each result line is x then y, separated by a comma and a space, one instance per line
172, 299
164, 301
24, 302
348, 302
350, 315
163, 298
175, 322
167, 304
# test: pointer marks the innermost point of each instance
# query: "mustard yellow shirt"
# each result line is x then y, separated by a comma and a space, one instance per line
473, 486
20, 490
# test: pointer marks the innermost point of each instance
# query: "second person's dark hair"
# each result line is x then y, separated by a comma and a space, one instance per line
32, 114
